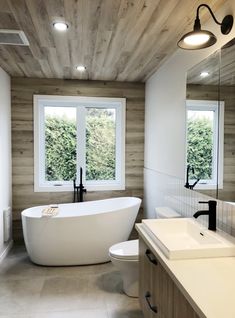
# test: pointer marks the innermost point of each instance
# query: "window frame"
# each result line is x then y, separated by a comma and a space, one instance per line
80, 103
218, 141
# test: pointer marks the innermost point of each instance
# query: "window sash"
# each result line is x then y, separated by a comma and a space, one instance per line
218, 128
81, 104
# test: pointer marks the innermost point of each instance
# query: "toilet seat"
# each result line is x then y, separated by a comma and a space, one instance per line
128, 250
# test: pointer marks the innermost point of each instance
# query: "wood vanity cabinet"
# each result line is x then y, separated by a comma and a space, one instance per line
159, 296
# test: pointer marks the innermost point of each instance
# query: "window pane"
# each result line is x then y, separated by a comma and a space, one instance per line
100, 143
60, 143
200, 143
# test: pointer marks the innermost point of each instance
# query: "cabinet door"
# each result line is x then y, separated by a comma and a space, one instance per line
147, 266
182, 308
163, 288
158, 294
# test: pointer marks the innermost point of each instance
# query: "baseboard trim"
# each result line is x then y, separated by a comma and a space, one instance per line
6, 251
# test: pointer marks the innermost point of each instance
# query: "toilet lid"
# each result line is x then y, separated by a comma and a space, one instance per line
125, 250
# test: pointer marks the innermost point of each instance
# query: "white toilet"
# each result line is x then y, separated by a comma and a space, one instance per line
125, 256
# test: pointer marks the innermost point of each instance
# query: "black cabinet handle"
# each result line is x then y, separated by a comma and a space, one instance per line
147, 297
151, 257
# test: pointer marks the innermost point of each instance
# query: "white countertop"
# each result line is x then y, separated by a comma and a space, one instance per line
207, 283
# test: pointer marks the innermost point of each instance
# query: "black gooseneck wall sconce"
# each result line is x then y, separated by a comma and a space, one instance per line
200, 39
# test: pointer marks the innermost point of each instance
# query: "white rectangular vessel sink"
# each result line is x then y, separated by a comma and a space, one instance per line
184, 238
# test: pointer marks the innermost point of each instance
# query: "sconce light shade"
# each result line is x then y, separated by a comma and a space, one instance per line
197, 40
200, 39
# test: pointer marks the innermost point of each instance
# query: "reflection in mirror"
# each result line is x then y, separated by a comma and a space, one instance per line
227, 93
213, 80
203, 113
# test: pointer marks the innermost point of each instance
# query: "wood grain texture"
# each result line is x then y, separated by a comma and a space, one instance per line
22, 138
165, 295
145, 279
220, 66
211, 65
123, 40
227, 94
182, 308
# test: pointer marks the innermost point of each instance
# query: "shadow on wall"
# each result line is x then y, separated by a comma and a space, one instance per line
165, 190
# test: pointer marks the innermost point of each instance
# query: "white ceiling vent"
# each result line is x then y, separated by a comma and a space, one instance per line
13, 37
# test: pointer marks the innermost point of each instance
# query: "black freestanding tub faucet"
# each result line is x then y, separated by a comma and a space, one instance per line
78, 190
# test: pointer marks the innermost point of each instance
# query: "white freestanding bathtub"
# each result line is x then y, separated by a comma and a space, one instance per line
81, 233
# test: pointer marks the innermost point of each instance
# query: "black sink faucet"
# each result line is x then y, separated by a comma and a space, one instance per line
187, 185
211, 212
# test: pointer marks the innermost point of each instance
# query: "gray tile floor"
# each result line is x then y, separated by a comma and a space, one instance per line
31, 291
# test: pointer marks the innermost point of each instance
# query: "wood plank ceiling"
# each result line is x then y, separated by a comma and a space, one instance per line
123, 40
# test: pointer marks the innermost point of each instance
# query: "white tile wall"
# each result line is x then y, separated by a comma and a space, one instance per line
165, 190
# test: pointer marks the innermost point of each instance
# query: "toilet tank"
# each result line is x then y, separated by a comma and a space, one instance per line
164, 212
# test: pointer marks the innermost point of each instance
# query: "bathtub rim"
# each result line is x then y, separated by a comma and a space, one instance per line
134, 201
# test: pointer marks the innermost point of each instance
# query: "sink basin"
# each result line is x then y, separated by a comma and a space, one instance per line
185, 238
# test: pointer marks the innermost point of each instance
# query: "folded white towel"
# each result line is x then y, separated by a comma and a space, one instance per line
50, 211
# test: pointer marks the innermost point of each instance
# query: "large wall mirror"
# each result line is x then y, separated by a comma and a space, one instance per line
210, 107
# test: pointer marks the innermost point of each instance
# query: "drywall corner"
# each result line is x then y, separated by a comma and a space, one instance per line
5, 151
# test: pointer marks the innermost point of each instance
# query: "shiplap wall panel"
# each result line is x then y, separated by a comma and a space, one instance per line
23, 90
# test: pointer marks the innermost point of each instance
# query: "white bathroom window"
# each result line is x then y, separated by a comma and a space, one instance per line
205, 142
72, 132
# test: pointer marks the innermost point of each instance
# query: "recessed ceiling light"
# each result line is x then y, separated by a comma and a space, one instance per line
60, 26
81, 68
204, 74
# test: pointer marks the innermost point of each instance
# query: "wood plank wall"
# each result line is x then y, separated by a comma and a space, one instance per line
23, 90
227, 94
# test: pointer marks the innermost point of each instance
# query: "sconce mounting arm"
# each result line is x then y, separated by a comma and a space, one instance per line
226, 24
200, 39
